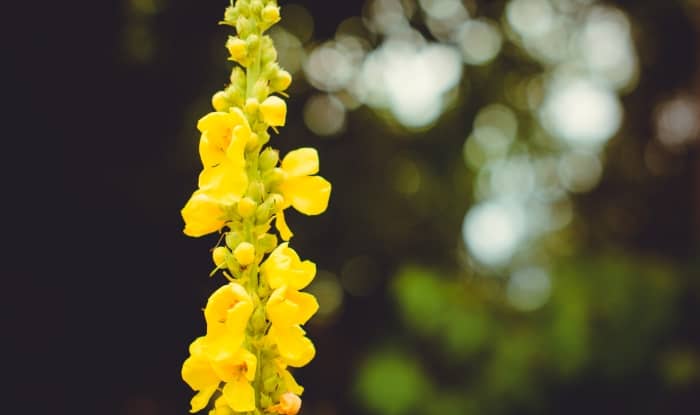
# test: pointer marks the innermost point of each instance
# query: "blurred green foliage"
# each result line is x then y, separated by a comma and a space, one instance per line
475, 353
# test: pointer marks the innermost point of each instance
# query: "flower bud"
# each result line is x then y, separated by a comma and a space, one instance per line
230, 15
265, 400
238, 78
273, 177
220, 102
237, 48
244, 253
261, 89
268, 159
256, 190
233, 239
253, 42
219, 256
258, 320
270, 14
252, 142
269, 54
290, 404
246, 207
274, 111
251, 106
281, 81
256, 6
267, 242
243, 26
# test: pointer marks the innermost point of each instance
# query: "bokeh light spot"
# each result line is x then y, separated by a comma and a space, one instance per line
493, 230
581, 112
529, 289
479, 40
324, 115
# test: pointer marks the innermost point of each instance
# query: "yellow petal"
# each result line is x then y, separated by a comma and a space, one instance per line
251, 364
218, 127
226, 182
240, 395
308, 194
209, 153
236, 149
202, 214
288, 307
283, 267
281, 225
228, 309
197, 371
234, 362
201, 399
295, 348
301, 162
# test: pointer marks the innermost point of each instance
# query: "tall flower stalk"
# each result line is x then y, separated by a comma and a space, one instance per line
254, 331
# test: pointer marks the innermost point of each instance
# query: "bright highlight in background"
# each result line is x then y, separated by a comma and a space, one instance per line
581, 112
493, 230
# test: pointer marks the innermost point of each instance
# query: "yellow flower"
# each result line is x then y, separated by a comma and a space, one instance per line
202, 214
237, 369
198, 373
284, 267
274, 111
224, 135
227, 312
306, 193
222, 150
287, 307
295, 348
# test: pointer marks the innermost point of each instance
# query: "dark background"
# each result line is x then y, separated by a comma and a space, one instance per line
103, 289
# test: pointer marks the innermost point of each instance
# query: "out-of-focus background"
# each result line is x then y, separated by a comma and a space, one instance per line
515, 219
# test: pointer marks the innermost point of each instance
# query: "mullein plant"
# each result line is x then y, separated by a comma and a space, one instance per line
254, 331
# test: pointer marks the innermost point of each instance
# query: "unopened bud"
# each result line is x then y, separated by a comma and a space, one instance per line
253, 41
246, 207
244, 253
261, 89
252, 142
256, 190
219, 101
230, 15
243, 26
258, 320
233, 239
238, 77
251, 106
237, 48
290, 404
256, 6
270, 14
281, 81
267, 242
219, 256
268, 159
273, 177
269, 54
274, 111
